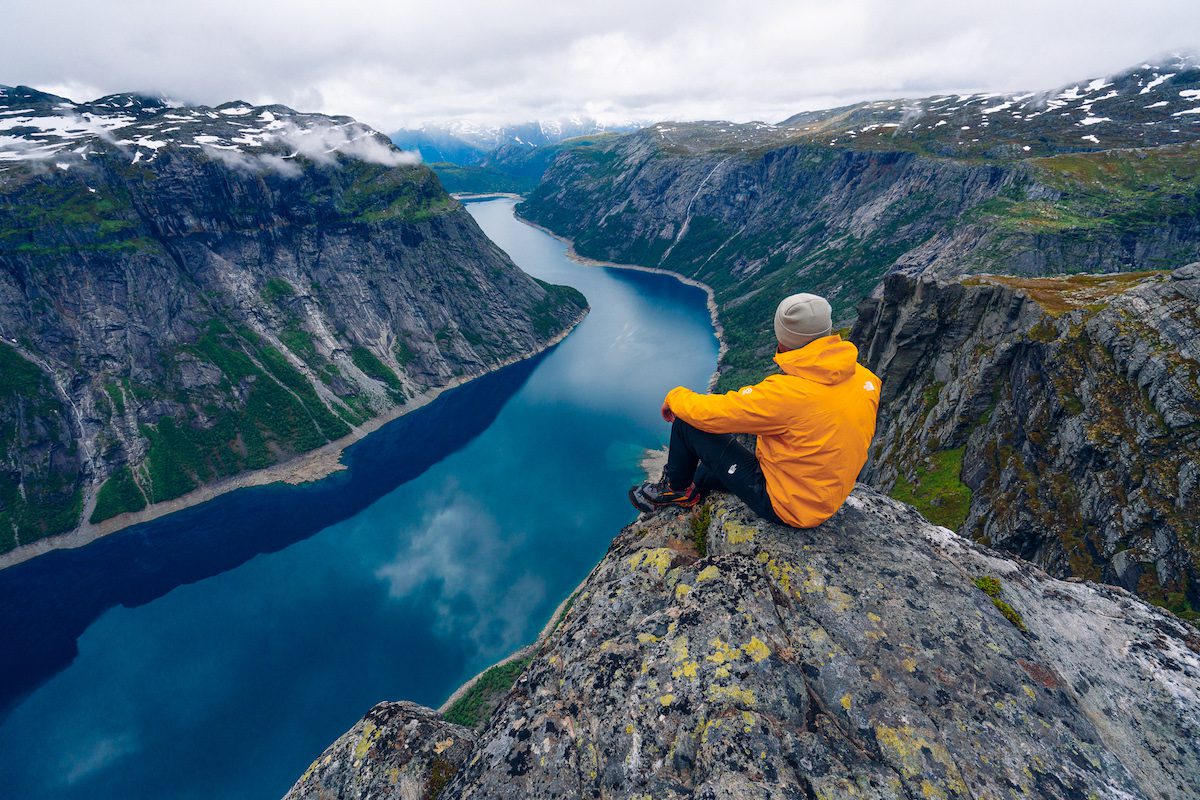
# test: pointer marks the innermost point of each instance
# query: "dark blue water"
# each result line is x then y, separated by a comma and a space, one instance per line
215, 652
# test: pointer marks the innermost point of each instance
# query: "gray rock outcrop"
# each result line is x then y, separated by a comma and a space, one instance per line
1067, 410
858, 659
398, 750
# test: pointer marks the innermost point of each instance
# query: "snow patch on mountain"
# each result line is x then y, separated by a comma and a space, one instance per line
37, 126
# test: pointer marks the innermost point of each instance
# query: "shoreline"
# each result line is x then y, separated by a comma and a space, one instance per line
652, 460
308, 467
528, 650
718, 329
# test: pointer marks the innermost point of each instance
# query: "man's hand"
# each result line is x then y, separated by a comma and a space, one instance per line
667, 414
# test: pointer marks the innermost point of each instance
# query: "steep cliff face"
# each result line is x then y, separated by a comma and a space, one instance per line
753, 225
1098, 177
188, 293
1055, 418
876, 656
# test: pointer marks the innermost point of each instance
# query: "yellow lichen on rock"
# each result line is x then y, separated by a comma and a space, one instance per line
369, 734
847, 701
782, 572
736, 694
443, 745
708, 573
756, 649
666, 700
722, 652
682, 591
688, 669
931, 792
838, 599
736, 533
657, 559
308, 772
908, 749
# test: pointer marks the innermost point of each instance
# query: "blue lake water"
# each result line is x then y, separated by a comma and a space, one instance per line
215, 652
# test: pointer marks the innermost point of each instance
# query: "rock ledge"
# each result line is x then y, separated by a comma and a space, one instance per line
856, 659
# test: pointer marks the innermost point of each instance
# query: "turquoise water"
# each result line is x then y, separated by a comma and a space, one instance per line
215, 652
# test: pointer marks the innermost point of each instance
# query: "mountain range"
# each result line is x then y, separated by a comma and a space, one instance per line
465, 143
998, 416
191, 293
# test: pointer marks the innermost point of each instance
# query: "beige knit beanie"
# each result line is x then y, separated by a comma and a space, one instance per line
802, 318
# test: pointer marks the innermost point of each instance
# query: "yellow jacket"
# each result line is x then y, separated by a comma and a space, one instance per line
814, 425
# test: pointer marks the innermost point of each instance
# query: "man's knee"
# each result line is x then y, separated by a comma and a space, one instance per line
678, 425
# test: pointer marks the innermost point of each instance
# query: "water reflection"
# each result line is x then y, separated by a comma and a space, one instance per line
215, 652
46, 603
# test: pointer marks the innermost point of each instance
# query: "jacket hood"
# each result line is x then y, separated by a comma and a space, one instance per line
827, 360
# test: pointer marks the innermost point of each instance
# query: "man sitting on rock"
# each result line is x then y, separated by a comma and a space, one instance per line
814, 424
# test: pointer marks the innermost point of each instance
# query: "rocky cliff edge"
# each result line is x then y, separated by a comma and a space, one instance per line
713, 655
1054, 418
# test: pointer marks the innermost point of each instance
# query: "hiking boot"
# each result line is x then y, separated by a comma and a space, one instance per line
650, 496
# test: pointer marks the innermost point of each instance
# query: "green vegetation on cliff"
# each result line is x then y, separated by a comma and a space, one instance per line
281, 416
372, 367
376, 194
477, 703
119, 494
938, 491
38, 495
992, 587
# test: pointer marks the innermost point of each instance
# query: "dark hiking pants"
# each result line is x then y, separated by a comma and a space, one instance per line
717, 461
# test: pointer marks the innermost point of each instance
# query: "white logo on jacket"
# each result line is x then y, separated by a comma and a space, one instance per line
869, 386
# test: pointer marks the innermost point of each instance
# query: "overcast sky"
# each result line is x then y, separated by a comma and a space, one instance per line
400, 63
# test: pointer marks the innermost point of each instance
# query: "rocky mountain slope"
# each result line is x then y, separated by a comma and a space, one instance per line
1055, 418
1095, 177
187, 293
876, 656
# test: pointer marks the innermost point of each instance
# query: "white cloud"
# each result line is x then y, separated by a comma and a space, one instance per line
449, 557
252, 163
321, 143
397, 63
96, 755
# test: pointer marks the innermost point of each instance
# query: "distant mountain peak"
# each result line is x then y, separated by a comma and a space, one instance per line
1152, 104
467, 142
35, 125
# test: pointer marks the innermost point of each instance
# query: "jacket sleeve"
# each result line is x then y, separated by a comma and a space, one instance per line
758, 409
